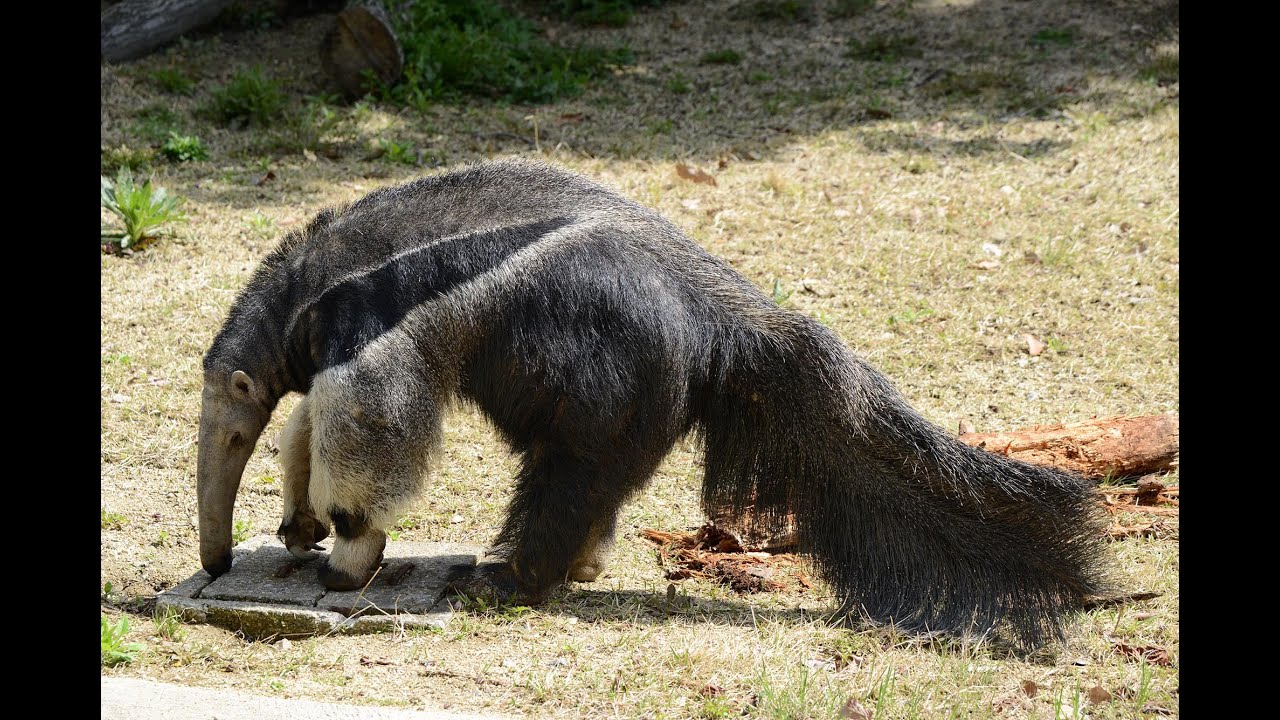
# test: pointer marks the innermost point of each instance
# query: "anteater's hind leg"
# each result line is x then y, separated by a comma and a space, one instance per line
301, 529
559, 524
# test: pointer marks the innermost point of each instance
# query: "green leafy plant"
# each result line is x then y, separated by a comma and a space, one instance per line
779, 295
113, 520
115, 650
144, 210
183, 148
1056, 36
398, 153
679, 84
240, 531
249, 98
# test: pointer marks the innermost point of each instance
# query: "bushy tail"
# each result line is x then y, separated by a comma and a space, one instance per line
905, 522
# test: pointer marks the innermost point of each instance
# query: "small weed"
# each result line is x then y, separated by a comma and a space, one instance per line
717, 708
124, 156
1056, 344
397, 153
779, 295
408, 522
169, 624
1054, 36
113, 520
1163, 68
311, 127
790, 10
727, 56
851, 8
883, 48
144, 210
822, 317
393, 534
661, 127
1057, 252
249, 98
183, 148
171, 80
162, 540
758, 78
679, 84
261, 226
115, 651
910, 316
240, 531
919, 165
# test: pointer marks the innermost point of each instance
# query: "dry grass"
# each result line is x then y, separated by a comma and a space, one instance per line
866, 188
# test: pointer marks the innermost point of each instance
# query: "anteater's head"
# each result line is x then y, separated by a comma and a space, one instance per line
233, 413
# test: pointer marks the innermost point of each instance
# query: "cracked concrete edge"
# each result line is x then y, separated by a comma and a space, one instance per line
125, 698
261, 620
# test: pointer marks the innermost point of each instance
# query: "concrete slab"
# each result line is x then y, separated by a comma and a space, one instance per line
269, 593
135, 699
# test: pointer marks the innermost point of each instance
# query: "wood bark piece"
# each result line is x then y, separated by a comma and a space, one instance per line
1117, 446
361, 43
134, 28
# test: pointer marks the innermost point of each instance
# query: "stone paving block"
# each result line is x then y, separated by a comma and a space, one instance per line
269, 575
412, 580
269, 593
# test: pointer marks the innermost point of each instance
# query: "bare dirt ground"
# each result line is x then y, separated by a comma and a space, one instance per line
1013, 172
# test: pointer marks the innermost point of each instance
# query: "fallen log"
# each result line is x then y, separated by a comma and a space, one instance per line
1100, 447
361, 50
133, 28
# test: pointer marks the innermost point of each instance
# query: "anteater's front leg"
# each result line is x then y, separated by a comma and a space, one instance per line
300, 529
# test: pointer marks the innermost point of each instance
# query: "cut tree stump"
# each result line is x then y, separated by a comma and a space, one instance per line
1116, 446
133, 28
361, 43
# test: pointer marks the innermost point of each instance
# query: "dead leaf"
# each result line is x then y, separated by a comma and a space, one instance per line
1034, 345
456, 519
1149, 491
1098, 694
310, 156
692, 204
1153, 654
118, 398
1029, 688
986, 265
878, 113
816, 664
966, 426
265, 178
366, 660
678, 23
854, 710
992, 249
1152, 708
710, 690
573, 118
695, 174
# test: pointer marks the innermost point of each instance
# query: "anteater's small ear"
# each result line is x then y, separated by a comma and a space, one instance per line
242, 382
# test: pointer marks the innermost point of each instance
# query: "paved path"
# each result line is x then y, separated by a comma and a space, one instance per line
134, 699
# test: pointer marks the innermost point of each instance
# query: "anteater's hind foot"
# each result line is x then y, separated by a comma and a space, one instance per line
357, 553
493, 583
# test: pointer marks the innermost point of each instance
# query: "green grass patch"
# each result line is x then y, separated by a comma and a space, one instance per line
172, 81
789, 10
1054, 36
726, 56
850, 8
123, 156
249, 98
883, 48
606, 13
454, 48
1163, 68
154, 122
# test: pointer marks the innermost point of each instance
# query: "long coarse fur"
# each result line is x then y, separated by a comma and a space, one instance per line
595, 335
